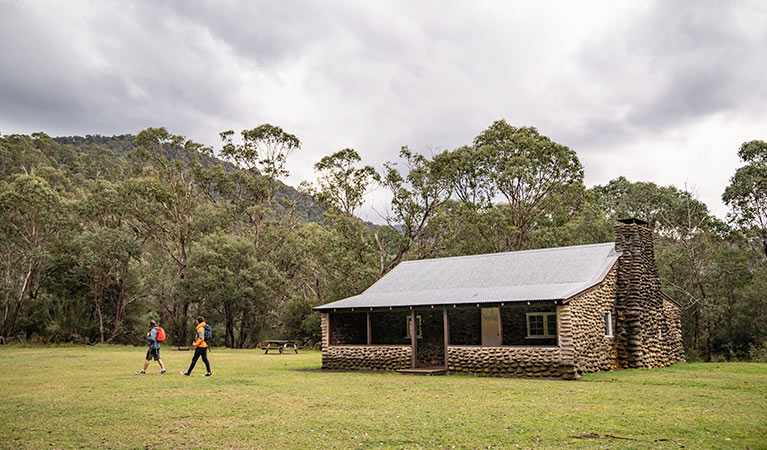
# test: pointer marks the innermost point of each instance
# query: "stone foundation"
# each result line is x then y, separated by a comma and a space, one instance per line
509, 361
491, 361
363, 357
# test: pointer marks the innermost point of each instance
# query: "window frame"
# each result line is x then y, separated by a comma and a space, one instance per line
609, 324
546, 332
419, 327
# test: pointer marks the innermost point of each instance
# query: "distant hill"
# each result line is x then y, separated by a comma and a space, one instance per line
122, 146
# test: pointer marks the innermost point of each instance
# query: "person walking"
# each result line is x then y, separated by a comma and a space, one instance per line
154, 349
201, 348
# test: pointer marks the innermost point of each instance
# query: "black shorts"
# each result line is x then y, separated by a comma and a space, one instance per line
153, 353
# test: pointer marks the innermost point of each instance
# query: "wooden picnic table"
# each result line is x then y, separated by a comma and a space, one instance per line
281, 345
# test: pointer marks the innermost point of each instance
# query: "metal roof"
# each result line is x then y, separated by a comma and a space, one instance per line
531, 275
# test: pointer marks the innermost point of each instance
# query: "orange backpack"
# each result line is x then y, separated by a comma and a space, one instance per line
160, 334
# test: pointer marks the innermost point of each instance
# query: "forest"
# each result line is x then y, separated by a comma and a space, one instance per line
99, 235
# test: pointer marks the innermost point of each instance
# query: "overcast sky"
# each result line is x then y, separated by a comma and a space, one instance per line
660, 91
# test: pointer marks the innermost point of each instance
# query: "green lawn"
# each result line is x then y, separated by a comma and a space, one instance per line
89, 397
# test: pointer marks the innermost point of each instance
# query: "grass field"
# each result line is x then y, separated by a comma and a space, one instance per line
78, 397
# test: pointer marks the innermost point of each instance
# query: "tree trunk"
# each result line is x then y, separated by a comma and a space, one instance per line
9, 323
101, 320
229, 331
244, 320
119, 303
696, 329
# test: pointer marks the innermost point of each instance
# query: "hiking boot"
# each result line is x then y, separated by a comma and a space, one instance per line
162, 371
186, 374
208, 374
140, 372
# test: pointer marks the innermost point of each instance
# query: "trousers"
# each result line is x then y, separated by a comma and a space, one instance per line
198, 352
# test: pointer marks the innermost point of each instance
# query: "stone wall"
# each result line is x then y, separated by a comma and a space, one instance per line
675, 347
324, 328
582, 321
363, 357
508, 361
645, 333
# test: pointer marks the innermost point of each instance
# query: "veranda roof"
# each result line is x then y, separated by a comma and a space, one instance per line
532, 275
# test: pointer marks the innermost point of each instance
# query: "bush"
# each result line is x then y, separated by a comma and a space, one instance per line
758, 353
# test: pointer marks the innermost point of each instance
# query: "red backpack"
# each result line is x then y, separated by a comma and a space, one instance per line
160, 334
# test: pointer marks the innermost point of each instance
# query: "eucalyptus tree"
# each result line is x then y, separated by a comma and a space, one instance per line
227, 277
32, 215
746, 194
416, 196
510, 183
110, 248
261, 156
341, 184
163, 203
531, 173
263, 150
104, 258
19, 153
346, 246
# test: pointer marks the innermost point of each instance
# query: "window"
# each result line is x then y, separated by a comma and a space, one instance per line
418, 329
609, 324
541, 325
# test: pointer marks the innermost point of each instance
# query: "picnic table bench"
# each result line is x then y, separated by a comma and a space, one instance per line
281, 346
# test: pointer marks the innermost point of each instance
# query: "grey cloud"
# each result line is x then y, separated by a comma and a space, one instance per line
121, 78
379, 75
674, 64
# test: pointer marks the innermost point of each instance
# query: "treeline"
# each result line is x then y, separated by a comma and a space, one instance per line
99, 235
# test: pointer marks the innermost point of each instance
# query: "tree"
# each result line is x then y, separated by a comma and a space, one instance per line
670, 211
341, 185
226, 276
534, 176
249, 192
31, 216
263, 150
104, 259
343, 250
164, 204
416, 197
747, 193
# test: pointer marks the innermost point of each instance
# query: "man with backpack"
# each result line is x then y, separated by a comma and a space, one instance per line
155, 336
202, 336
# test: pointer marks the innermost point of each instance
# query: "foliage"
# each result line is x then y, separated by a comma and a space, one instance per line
340, 184
511, 183
31, 218
98, 234
416, 195
747, 193
225, 276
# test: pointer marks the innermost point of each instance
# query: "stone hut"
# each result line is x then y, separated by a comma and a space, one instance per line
555, 312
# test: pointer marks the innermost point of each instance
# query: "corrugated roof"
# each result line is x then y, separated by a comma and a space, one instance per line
532, 275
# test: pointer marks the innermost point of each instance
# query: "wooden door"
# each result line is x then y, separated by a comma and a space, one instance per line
491, 327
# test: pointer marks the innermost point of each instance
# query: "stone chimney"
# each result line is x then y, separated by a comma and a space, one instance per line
639, 306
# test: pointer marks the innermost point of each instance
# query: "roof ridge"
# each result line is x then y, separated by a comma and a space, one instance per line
516, 252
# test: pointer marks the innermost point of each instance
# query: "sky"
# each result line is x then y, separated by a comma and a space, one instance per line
662, 91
